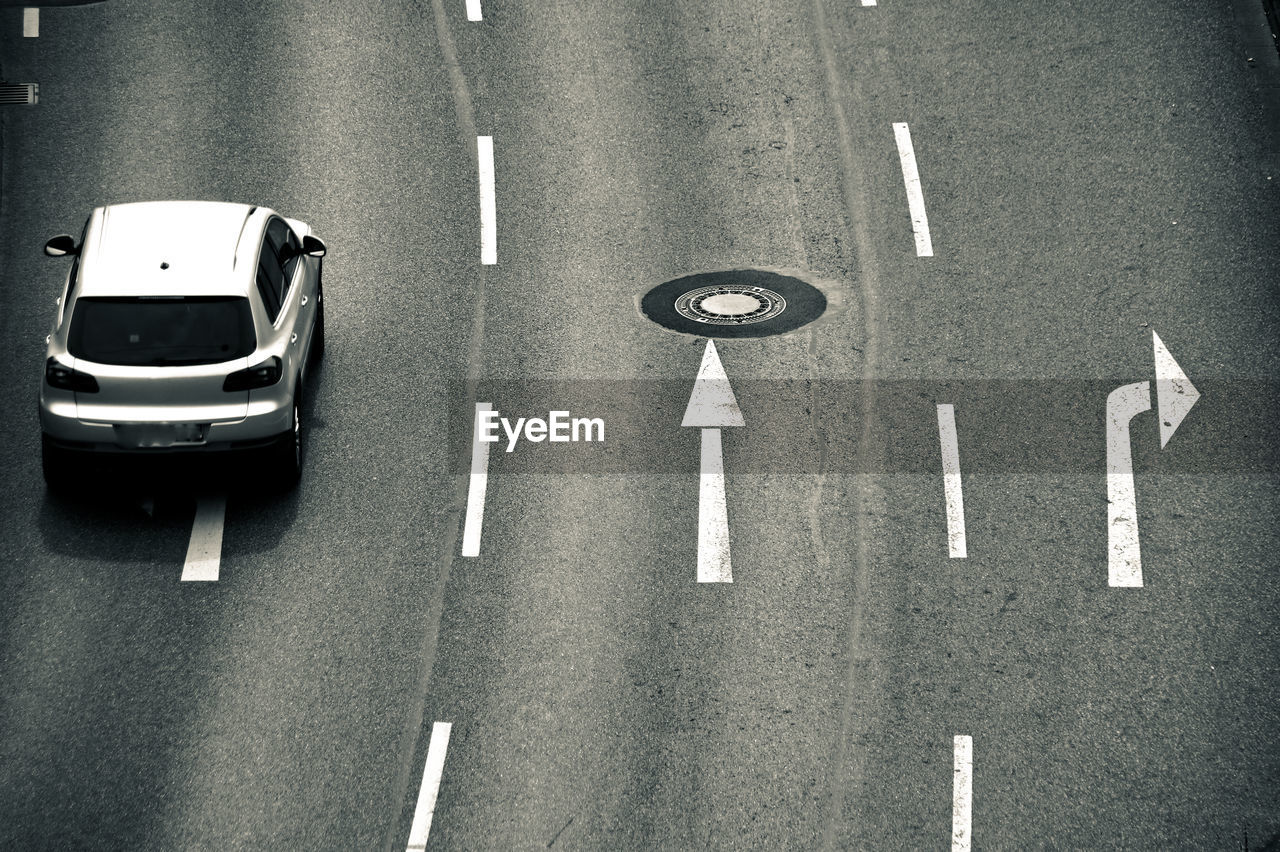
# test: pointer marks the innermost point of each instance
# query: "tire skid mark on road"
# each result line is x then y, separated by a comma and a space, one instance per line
855, 203
820, 552
793, 196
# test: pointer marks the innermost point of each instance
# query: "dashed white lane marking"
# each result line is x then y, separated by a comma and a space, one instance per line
713, 514
31, 22
488, 205
479, 484
868, 2
473, 10
962, 795
951, 481
915, 198
204, 553
1124, 559
431, 774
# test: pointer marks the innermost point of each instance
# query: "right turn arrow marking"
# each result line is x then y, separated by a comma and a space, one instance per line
1174, 392
1174, 395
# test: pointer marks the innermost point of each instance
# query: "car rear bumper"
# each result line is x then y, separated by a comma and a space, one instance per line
209, 448
266, 420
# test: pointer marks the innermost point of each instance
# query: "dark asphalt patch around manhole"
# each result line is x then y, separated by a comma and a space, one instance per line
734, 303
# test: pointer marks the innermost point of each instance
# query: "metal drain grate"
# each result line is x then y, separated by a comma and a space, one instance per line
19, 93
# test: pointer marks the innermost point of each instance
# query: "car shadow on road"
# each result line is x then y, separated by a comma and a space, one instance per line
144, 512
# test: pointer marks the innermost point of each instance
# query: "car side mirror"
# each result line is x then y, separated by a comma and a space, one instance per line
60, 246
313, 246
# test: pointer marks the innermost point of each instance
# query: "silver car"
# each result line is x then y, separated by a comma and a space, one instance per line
183, 327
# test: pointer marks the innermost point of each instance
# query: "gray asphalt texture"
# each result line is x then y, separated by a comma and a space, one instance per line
1091, 171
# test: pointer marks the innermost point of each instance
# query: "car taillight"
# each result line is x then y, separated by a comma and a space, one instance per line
258, 376
62, 376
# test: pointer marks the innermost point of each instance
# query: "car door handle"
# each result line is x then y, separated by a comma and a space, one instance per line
304, 300
293, 339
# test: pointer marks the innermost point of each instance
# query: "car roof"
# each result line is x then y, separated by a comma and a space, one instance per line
167, 248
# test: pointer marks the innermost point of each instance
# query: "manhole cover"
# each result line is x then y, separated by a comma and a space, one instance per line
736, 303
730, 304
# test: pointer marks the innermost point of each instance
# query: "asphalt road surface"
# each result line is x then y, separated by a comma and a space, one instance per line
1091, 172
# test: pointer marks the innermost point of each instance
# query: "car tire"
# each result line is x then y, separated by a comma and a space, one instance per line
286, 461
55, 465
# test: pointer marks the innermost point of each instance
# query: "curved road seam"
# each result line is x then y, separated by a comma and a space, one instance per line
449, 546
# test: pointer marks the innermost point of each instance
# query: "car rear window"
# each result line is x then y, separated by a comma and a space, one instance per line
159, 331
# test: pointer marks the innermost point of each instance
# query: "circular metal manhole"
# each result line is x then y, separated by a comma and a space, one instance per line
730, 304
736, 303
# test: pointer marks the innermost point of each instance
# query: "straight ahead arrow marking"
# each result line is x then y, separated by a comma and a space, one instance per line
714, 565
712, 403
711, 406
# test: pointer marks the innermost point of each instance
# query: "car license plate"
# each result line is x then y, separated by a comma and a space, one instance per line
148, 435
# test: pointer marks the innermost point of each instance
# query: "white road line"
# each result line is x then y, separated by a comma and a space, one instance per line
479, 484
962, 795
951, 481
431, 773
713, 514
473, 10
1124, 559
204, 553
915, 198
868, 2
488, 205
31, 22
